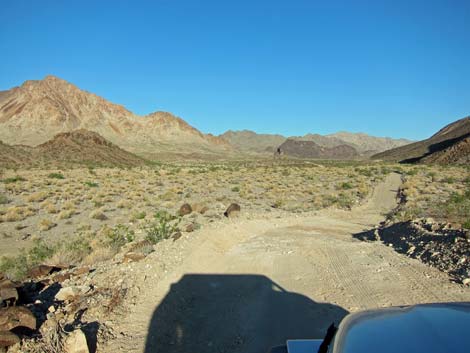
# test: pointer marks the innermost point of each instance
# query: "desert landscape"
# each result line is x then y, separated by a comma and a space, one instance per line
234, 177
94, 237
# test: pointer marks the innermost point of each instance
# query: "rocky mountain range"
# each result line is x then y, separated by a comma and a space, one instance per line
451, 144
363, 144
38, 110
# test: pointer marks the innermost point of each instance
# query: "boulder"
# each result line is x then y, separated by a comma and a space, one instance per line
76, 342
8, 339
16, 316
185, 209
6, 283
71, 293
8, 294
232, 211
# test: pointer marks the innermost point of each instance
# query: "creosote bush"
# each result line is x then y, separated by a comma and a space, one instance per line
56, 176
162, 227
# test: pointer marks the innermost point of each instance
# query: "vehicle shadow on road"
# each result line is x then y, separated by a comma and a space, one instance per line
205, 313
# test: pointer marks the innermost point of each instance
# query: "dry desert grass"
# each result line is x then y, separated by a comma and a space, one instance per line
89, 214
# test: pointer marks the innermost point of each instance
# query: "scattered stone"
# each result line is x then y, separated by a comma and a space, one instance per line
76, 342
189, 228
132, 256
185, 209
16, 316
176, 236
8, 339
466, 281
232, 211
71, 293
61, 277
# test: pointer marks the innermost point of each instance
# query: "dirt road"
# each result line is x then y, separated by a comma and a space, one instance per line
250, 284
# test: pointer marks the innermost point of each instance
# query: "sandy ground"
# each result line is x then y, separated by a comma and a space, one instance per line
250, 284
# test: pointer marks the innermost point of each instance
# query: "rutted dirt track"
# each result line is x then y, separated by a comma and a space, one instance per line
251, 284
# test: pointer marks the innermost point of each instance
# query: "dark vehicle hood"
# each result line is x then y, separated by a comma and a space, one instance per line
427, 328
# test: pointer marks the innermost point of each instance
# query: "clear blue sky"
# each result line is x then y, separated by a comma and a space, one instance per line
394, 68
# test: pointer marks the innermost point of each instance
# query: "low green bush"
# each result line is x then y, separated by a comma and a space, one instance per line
162, 227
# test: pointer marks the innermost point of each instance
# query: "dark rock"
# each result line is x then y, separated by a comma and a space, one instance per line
185, 209
16, 316
232, 211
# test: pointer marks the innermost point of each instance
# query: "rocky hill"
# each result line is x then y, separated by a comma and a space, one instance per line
448, 145
75, 148
309, 149
38, 110
249, 141
365, 145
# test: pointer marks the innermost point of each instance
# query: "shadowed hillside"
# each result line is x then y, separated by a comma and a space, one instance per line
446, 146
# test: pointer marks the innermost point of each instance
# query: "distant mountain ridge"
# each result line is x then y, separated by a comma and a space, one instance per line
449, 145
309, 149
36, 111
249, 141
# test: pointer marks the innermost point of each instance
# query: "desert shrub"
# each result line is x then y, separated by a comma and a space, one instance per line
236, 189
162, 227
76, 250
364, 172
18, 266
46, 224
91, 184
344, 200
13, 179
98, 204
139, 215
119, 235
3, 199
64, 214
99, 215
346, 186
56, 176
411, 172
448, 180
385, 170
